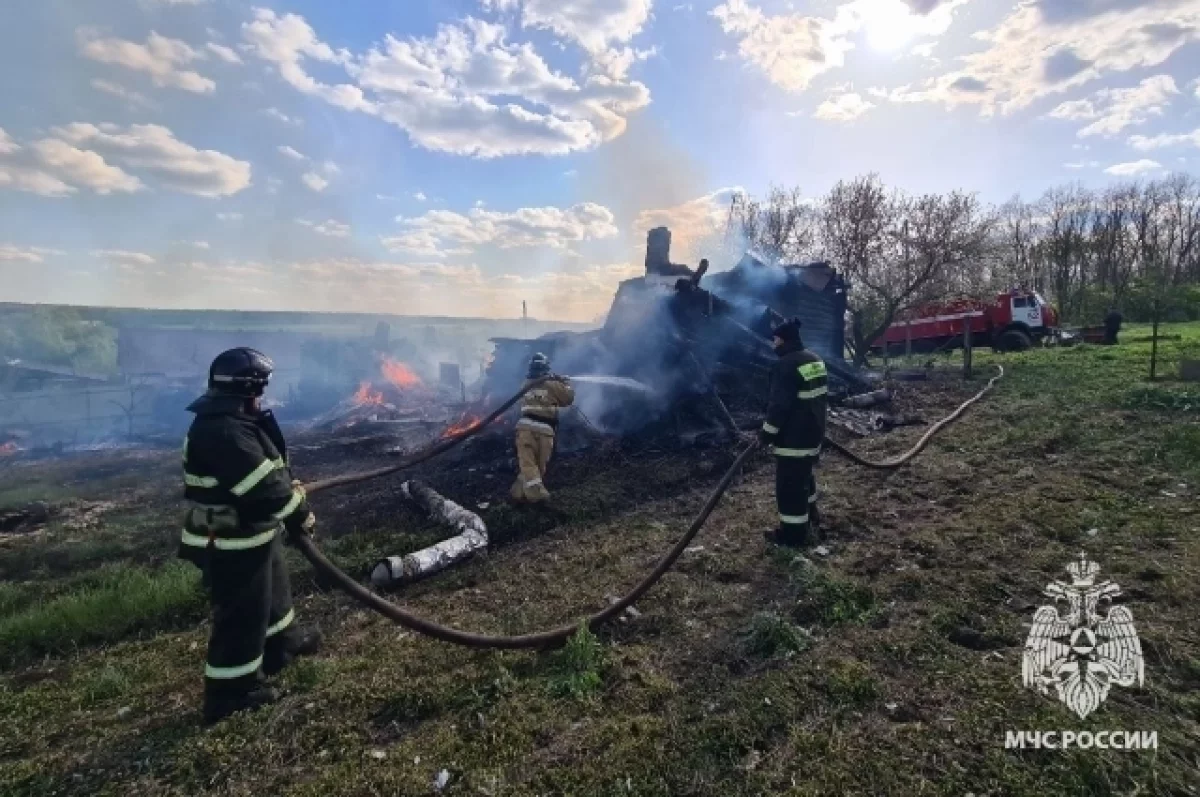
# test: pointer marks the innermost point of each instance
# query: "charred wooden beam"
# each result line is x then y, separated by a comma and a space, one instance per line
471, 537
730, 423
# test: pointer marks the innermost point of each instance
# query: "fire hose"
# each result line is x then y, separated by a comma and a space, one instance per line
558, 636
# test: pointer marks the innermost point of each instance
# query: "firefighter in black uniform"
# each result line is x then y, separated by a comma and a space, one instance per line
795, 428
243, 503
1112, 326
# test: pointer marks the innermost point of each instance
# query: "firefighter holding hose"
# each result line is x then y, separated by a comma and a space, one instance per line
540, 409
794, 429
243, 505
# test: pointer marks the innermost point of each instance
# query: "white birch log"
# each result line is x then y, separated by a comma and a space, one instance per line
472, 536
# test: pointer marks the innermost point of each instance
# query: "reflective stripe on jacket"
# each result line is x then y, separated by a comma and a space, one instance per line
542, 404
236, 478
795, 421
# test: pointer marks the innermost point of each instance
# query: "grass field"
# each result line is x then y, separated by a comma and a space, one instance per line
890, 666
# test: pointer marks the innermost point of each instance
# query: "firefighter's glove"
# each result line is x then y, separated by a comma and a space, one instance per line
305, 528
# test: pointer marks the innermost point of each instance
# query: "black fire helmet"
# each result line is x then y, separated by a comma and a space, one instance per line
539, 365
240, 372
788, 331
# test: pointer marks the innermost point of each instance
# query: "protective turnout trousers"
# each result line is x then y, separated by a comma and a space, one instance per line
252, 617
796, 497
533, 454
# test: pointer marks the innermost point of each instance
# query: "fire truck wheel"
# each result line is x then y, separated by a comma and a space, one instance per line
1015, 340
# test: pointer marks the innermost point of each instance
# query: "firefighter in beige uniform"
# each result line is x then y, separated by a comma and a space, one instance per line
536, 429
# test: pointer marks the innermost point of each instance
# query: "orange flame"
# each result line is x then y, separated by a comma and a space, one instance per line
365, 395
399, 374
464, 424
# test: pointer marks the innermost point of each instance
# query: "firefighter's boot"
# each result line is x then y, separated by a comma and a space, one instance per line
281, 653
788, 538
220, 704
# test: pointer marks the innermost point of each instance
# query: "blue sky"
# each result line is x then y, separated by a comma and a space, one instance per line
458, 157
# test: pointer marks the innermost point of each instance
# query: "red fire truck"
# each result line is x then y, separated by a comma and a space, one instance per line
1013, 322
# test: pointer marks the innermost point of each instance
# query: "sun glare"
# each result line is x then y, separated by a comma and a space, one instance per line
889, 24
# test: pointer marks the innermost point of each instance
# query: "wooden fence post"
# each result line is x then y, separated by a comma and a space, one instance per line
1154, 344
967, 350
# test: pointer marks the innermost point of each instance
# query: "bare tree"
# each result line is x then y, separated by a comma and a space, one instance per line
779, 228
1111, 241
1180, 228
138, 387
898, 250
1018, 230
1067, 214
1084, 249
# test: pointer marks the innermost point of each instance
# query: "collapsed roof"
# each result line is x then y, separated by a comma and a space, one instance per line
680, 334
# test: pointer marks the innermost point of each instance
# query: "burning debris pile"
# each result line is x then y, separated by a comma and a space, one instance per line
398, 397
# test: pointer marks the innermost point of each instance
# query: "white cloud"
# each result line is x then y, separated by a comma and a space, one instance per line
1147, 143
201, 244
616, 62
329, 228
229, 216
598, 26
794, 49
1045, 47
791, 49
925, 50
1113, 110
420, 196
843, 108
33, 181
134, 98
155, 150
286, 41
1083, 165
440, 233
465, 90
121, 257
83, 168
695, 225
7, 145
226, 54
275, 113
25, 254
331, 168
175, 2
591, 23
315, 182
291, 153
161, 58
1133, 169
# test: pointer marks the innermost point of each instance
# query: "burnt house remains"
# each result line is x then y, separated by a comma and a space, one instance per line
701, 345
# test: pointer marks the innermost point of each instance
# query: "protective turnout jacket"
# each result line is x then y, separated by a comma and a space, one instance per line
795, 423
541, 406
237, 480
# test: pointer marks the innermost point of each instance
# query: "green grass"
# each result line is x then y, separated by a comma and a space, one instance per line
119, 601
888, 666
829, 600
770, 635
576, 669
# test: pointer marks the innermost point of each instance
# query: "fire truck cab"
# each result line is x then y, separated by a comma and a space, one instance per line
1014, 321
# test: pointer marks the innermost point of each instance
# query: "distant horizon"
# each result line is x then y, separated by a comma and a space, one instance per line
241, 311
